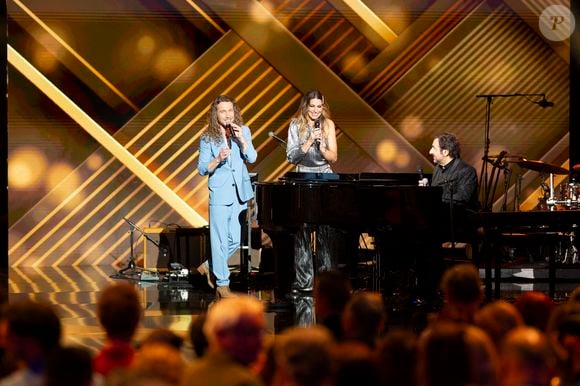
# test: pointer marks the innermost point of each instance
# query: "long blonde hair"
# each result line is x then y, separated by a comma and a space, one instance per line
213, 131
302, 114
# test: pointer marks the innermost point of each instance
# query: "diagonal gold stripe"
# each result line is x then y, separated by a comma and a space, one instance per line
262, 110
282, 169
45, 219
106, 235
180, 98
187, 145
205, 16
32, 250
77, 55
98, 225
366, 21
192, 139
183, 113
142, 149
25, 278
308, 17
108, 142
390, 70
291, 102
256, 99
105, 255
232, 86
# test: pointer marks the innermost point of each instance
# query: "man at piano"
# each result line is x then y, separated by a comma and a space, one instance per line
458, 180
312, 148
224, 149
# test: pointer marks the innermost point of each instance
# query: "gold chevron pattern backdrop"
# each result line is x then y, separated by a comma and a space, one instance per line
107, 101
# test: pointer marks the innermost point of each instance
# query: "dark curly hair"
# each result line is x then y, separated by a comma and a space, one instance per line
449, 142
213, 126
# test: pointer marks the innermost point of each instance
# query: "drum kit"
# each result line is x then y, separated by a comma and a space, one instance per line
567, 199
569, 195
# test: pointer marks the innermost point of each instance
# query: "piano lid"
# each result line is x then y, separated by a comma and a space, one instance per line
409, 179
301, 176
404, 179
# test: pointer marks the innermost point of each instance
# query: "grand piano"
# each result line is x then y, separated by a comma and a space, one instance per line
403, 218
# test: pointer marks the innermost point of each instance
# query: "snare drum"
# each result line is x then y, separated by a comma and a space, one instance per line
568, 197
573, 195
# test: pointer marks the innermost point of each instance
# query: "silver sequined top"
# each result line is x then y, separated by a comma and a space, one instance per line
310, 162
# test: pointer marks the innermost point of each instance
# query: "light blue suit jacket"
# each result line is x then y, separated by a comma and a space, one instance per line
231, 177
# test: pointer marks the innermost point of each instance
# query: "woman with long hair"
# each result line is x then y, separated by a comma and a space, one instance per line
312, 148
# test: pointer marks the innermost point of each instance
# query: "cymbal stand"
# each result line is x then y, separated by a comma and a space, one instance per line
507, 176
551, 202
494, 178
518, 192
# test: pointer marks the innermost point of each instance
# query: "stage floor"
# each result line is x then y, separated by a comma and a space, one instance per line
170, 304
74, 291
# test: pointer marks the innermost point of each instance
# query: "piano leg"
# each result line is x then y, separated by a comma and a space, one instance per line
414, 255
339, 249
304, 254
283, 254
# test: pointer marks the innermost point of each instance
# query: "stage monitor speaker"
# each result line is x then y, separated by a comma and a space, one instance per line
186, 245
151, 247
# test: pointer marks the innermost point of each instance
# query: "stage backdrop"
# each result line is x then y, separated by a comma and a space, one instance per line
108, 99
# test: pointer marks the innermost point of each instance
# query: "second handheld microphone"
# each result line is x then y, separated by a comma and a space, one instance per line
317, 127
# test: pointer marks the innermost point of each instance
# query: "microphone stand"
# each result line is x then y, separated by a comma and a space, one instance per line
132, 271
165, 252
279, 140
485, 181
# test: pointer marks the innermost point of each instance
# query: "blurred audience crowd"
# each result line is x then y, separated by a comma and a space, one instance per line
530, 341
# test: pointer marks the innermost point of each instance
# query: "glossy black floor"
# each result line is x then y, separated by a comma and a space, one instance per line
169, 301
173, 303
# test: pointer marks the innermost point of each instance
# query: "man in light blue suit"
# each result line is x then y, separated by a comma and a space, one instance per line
224, 149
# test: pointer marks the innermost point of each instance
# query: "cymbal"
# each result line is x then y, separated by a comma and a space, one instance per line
508, 157
576, 167
542, 167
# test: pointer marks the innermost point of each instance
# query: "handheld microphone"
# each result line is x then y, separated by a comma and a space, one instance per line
422, 180
230, 129
317, 126
229, 134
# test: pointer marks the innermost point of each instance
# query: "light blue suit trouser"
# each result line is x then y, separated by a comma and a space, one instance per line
225, 233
